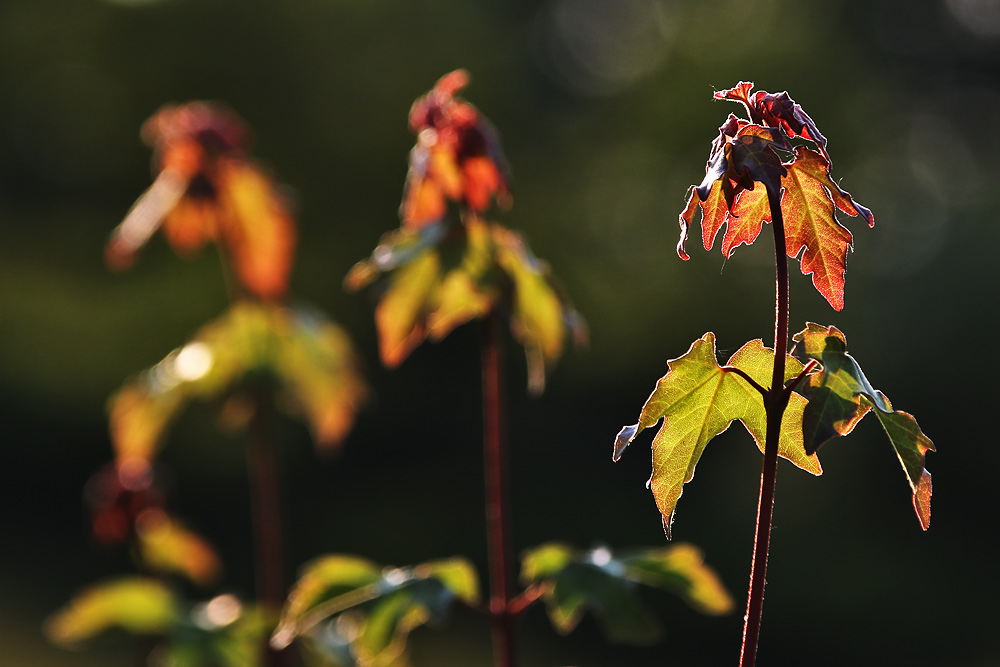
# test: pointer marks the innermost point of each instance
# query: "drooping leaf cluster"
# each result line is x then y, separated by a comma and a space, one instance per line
434, 273
750, 152
205, 189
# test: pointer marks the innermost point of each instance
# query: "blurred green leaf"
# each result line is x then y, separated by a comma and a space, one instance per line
575, 581
354, 613
135, 604
438, 281
308, 359
167, 546
221, 632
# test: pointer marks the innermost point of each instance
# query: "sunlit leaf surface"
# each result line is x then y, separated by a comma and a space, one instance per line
697, 400
207, 189
605, 583
840, 395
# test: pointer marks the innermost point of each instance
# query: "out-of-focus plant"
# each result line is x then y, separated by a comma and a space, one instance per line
790, 403
261, 355
447, 265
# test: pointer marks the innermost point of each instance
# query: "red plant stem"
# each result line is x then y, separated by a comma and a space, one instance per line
497, 496
775, 402
262, 461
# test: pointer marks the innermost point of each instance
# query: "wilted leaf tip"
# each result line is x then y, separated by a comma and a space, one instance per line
622, 440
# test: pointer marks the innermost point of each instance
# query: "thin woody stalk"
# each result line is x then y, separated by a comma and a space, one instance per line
497, 496
775, 402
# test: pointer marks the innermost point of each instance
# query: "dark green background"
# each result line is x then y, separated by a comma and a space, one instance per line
606, 117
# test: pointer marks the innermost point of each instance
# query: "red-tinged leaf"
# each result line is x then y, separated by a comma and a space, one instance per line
697, 400
745, 221
780, 110
840, 395
811, 226
457, 157
753, 160
714, 213
739, 93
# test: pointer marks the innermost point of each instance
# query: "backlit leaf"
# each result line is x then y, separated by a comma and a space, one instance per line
811, 226
697, 400
575, 581
135, 604
744, 154
840, 395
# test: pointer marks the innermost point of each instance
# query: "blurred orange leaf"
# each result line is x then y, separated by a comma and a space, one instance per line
457, 156
167, 546
206, 189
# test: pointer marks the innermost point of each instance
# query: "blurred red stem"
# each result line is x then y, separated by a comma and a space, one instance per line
775, 402
265, 494
497, 496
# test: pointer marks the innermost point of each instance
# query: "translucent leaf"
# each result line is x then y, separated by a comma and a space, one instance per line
697, 400
134, 604
743, 154
840, 395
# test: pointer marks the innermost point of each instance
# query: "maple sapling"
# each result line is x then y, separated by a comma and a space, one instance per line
791, 402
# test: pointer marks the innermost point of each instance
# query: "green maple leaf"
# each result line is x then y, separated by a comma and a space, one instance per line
697, 400
744, 154
840, 395
606, 583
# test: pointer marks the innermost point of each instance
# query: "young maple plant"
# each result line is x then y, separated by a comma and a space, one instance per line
793, 401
